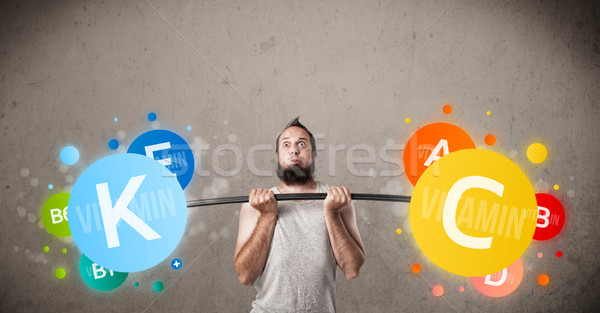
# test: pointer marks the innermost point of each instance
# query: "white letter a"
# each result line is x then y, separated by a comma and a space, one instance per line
434, 156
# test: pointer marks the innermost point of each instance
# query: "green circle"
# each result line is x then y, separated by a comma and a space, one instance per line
98, 277
60, 273
54, 215
158, 286
64, 250
136, 284
46, 248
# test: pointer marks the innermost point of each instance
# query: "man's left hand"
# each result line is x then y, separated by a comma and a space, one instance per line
337, 198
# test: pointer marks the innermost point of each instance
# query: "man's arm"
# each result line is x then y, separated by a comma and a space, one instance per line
254, 240
345, 239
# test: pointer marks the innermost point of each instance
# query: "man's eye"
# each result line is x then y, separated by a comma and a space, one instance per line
285, 144
302, 144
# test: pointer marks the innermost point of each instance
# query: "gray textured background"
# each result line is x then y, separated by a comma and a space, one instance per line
238, 71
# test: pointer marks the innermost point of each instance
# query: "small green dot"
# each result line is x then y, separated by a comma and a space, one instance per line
64, 250
60, 273
46, 248
136, 284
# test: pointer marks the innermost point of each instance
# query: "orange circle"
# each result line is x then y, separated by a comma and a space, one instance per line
416, 268
461, 289
490, 140
447, 109
543, 279
424, 141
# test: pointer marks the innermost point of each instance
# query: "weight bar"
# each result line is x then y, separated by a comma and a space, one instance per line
299, 196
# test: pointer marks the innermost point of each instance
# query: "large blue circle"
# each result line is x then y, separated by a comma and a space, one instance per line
179, 152
159, 202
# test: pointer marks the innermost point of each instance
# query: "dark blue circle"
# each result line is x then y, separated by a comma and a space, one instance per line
113, 144
152, 116
180, 154
176, 264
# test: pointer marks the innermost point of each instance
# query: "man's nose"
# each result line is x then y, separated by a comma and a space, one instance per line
294, 150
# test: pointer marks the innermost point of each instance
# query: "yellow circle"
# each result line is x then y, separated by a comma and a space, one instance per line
407, 120
398, 231
473, 212
556, 187
489, 113
536, 153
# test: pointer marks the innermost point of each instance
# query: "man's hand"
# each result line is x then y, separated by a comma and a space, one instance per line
263, 200
337, 198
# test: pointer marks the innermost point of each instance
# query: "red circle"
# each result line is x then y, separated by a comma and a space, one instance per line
558, 254
551, 217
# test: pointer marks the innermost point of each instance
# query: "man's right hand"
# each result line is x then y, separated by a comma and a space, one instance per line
263, 200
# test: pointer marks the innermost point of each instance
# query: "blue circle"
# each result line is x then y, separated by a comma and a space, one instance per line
152, 116
176, 264
156, 206
69, 155
188, 128
116, 119
113, 144
167, 147
50, 186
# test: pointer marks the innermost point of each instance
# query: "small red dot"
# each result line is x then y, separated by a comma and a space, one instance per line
558, 254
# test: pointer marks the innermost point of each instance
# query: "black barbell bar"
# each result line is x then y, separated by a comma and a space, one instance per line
299, 196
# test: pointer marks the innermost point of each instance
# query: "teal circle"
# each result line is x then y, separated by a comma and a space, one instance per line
158, 286
154, 200
136, 284
98, 277
69, 155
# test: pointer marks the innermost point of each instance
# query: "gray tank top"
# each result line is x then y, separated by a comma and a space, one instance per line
299, 275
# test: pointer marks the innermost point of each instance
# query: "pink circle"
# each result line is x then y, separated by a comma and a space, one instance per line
501, 283
540, 255
461, 289
438, 290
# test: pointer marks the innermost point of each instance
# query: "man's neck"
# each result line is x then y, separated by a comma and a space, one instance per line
309, 187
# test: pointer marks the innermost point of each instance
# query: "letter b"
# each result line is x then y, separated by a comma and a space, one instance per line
543, 217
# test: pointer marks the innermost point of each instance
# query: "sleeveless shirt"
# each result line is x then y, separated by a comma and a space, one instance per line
299, 275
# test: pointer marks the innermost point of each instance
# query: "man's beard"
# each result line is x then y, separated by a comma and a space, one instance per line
296, 175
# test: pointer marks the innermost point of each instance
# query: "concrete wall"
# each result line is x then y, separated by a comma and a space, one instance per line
237, 72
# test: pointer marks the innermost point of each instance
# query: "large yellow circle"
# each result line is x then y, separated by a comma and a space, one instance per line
508, 221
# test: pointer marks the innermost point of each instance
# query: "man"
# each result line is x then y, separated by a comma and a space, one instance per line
289, 250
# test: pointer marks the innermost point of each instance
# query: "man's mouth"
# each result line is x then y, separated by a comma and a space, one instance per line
295, 161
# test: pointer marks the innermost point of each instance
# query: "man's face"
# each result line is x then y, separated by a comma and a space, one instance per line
295, 157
